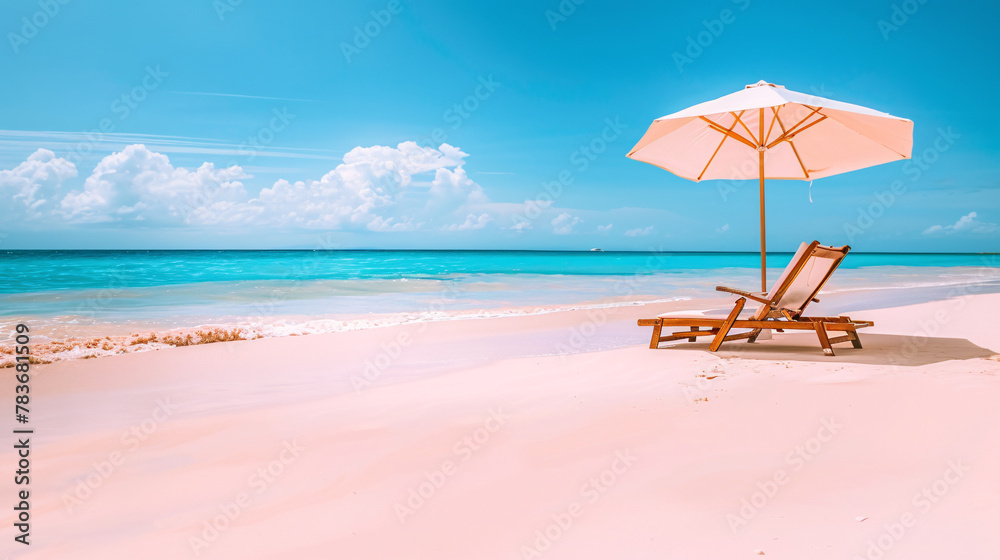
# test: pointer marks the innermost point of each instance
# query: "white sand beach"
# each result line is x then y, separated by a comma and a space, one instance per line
484, 438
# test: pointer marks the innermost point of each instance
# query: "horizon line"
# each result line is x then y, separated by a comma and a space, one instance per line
494, 251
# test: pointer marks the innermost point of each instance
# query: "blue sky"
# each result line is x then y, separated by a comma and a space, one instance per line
247, 124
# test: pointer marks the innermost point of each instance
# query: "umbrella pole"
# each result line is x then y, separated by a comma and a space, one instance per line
763, 235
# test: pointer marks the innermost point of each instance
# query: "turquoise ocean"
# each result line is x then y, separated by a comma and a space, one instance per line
134, 290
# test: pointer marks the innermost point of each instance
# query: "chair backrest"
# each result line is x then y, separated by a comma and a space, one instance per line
810, 268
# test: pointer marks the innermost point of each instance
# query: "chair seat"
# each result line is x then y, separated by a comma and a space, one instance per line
682, 314
707, 314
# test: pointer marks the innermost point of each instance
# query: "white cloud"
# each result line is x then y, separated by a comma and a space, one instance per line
605, 229
452, 190
391, 224
722, 229
966, 224
30, 186
139, 184
563, 224
639, 231
377, 188
471, 222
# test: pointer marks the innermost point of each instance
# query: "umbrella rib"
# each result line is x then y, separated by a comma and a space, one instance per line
806, 127
774, 110
789, 135
792, 131
717, 148
729, 133
790, 143
746, 128
802, 165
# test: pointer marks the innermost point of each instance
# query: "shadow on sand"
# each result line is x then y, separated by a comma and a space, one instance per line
879, 349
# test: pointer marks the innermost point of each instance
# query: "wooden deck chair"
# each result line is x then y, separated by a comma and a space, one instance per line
781, 308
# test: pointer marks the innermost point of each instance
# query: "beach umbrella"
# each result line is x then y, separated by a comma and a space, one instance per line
765, 131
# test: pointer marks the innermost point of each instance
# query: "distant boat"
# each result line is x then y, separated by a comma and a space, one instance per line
596, 250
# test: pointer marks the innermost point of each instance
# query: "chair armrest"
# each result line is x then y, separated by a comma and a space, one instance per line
747, 295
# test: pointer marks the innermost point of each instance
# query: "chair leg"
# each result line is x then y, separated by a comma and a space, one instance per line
753, 336
824, 341
655, 341
727, 324
855, 339
693, 338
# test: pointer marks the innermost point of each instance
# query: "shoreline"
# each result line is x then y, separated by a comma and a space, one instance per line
150, 339
110, 339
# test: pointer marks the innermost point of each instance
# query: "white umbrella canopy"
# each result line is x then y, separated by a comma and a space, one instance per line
765, 131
